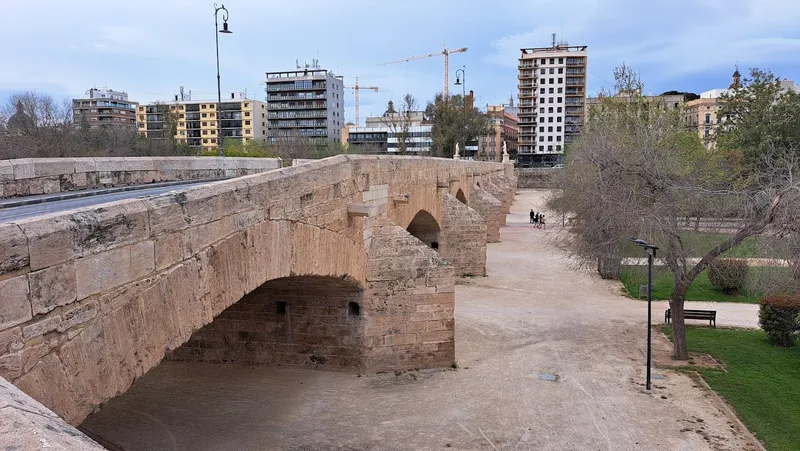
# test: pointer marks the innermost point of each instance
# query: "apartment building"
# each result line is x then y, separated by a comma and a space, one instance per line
385, 133
704, 115
505, 126
196, 121
104, 108
306, 103
552, 98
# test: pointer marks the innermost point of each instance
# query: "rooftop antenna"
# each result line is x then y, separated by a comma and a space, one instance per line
297, 63
554, 40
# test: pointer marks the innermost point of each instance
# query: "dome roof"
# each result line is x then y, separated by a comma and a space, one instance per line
20, 121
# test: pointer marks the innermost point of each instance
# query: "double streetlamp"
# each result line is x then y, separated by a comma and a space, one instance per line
217, 31
651, 253
461, 80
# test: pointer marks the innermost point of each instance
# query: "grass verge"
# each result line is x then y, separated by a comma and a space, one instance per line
701, 290
761, 382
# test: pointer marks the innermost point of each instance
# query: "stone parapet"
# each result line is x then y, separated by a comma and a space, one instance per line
540, 178
31, 176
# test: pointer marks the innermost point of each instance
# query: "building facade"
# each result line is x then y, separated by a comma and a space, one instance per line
104, 108
305, 104
195, 121
386, 133
552, 98
505, 124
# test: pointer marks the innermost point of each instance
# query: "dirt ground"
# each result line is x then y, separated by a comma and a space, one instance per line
533, 317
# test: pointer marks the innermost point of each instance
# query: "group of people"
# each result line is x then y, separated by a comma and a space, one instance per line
537, 219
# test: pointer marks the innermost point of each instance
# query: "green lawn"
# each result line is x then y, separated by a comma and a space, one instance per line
762, 382
699, 243
663, 280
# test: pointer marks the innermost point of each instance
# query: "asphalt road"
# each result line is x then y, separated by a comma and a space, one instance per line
28, 211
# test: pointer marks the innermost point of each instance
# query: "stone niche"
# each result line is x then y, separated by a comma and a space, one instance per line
310, 321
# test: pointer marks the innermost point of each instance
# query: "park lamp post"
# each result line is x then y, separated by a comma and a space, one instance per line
217, 31
651, 253
462, 81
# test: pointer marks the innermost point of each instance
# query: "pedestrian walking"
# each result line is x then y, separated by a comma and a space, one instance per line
532, 215
541, 221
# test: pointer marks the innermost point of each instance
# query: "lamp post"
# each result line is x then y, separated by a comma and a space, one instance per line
217, 31
651, 253
462, 81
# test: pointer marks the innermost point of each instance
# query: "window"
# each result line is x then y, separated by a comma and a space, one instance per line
560, 80
205, 141
205, 132
543, 71
550, 148
550, 129
541, 99
552, 70
708, 118
550, 119
541, 110
560, 90
541, 138
551, 90
246, 105
213, 140
560, 70
183, 133
541, 148
212, 115
205, 124
558, 129
541, 91
550, 138
561, 61
246, 122
541, 129
181, 124
541, 119
550, 109
246, 114
247, 131
205, 115
558, 147
560, 99
558, 138
558, 119
550, 100
559, 109
552, 60
202, 107
551, 81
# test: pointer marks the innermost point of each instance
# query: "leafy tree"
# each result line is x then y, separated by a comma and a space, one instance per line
636, 172
759, 119
453, 123
400, 122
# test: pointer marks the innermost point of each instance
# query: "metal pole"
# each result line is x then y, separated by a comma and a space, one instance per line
219, 89
650, 254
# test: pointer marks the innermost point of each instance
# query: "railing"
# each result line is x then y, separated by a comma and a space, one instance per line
297, 115
279, 98
275, 88
570, 101
298, 107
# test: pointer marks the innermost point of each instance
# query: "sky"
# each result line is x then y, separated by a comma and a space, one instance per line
150, 48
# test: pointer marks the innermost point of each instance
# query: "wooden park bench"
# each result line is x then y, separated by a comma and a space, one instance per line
710, 315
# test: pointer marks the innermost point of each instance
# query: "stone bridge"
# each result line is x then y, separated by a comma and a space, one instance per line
346, 263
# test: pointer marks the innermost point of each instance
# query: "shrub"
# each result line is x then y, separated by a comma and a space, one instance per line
779, 316
728, 275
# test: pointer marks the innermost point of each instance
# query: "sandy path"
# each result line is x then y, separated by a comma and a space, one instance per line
533, 315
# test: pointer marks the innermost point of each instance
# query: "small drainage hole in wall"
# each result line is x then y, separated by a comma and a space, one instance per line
280, 308
354, 309
434, 245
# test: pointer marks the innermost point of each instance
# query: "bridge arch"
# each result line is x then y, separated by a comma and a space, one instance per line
425, 228
309, 321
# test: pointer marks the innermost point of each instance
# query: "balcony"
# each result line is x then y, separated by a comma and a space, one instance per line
526, 103
293, 87
572, 129
576, 62
571, 101
574, 110
298, 114
526, 74
528, 64
575, 72
524, 85
282, 98
303, 106
574, 91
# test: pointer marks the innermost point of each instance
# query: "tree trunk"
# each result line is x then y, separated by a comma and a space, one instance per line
678, 323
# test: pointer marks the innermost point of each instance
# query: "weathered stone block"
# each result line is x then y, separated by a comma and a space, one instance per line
15, 307
13, 248
52, 287
100, 272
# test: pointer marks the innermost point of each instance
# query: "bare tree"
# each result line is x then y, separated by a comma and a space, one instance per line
399, 123
636, 172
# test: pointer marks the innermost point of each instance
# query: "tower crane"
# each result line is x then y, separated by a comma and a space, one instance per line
357, 88
446, 52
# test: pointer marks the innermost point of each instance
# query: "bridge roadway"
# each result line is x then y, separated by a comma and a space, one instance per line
11, 214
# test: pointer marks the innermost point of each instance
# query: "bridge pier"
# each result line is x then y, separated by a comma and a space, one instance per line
463, 241
490, 209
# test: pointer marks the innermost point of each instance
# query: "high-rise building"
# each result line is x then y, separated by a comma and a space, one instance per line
306, 103
552, 98
195, 121
104, 108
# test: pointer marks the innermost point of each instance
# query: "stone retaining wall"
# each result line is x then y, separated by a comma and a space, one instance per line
540, 178
30, 176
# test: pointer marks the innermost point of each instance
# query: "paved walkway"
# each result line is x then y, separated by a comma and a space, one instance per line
550, 356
